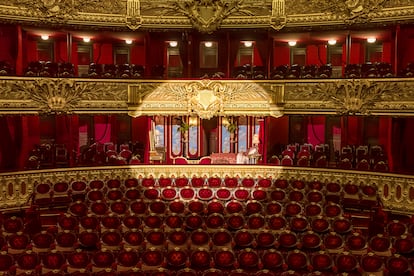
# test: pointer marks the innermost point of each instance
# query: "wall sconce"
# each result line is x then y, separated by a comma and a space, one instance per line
86, 39
128, 41
371, 39
332, 42
208, 44
248, 44
292, 43
44, 37
173, 43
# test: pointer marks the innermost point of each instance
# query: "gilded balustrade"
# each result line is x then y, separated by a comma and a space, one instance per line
395, 191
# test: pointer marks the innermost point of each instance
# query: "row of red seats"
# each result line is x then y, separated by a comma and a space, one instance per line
202, 262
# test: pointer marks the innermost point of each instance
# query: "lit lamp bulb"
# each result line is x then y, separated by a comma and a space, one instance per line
292, 43
371, 39
44, 37
173, 43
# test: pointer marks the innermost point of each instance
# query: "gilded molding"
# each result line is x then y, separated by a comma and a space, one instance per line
17, 188
205, 98
204, 15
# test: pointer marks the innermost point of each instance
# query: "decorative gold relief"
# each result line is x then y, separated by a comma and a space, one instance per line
133, 14
352, 11
63, 95
347, 96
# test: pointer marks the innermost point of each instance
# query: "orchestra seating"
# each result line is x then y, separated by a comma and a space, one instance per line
204, 226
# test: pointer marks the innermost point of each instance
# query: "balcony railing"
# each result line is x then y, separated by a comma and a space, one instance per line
396, 192
207, 97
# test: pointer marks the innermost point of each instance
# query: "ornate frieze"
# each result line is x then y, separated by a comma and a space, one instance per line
204, 15
207, 98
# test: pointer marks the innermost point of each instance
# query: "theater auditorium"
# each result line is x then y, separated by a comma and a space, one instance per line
207, 137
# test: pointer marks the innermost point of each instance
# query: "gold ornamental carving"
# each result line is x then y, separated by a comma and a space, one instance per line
359, 96
65, 95
352, 11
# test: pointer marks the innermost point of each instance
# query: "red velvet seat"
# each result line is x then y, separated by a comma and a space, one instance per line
356, 243
53, 261
6, 262
298, 223
293, 209
89, 239
43, 194
96, 184
42, 242
235, 221
138, 207
200, 239
333, 243
297, 261
99, 208
321, 261
114, 194
380, 245
273, 208
253, 207
311, 241
222, 238
61, 193
272, 260
243, 238
169, 193
200, 259
177, 206
398, 266
176, 258
131, 183
18, 243
313, 209
187, 193
224, 259
205, 193
173, 221
320, 224
196, 206
133, 239
78, 190
151, 193
101, 260
77, 260
126, 260
78, 209
215, 206
265, 239
214, 221
110, 221
67, 222
276, 222
27, 263
131, 222
157, 207
341, 225
404, 244
153, 221
152, 259
288, 240
234, 206
177, 238
66, 241
89, 222
155, 238
371, 263
248, 259
346, 262
223, 194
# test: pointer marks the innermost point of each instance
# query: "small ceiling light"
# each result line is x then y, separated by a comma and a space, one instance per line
128, 41
292, 43
371, 39
332, 42
44, 37
86, 39
208, 44
248, 43
173, 43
